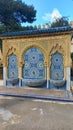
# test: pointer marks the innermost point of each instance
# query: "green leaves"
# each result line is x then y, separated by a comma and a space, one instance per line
14, 12
60, 22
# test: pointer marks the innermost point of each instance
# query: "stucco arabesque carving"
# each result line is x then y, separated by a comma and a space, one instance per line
56, 48
11, 50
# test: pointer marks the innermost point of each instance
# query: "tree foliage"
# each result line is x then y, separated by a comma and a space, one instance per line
60, 22
14, 12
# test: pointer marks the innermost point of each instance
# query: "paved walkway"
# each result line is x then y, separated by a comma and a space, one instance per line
31, 114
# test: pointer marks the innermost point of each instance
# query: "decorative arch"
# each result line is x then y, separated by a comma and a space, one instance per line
11, 50
12, 63
57, 48
33, 67
57, 66
12, 66
34, 46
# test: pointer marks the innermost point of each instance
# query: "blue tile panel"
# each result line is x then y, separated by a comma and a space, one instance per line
12, 66
57, 68
34, 64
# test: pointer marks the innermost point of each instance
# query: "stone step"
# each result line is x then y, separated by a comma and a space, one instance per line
33, 91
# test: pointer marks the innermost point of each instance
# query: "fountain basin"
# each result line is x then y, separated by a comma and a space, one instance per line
34, 82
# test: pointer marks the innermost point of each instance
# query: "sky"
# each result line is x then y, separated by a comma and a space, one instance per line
48, 10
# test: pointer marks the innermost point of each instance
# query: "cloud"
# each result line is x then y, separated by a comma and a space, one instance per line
52, 16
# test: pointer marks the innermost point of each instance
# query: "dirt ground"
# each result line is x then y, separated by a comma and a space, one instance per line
31, 114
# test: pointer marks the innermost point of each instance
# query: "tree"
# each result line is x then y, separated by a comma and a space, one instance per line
15, 12
60, 22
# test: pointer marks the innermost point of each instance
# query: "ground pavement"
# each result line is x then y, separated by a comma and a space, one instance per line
34, 114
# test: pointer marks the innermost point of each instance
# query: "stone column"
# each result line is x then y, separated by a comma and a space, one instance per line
46, 73
47, 77
4, 76
68, 78
68, 93
20, 75
45, 69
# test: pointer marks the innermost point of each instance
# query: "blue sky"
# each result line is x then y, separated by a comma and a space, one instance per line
47, 10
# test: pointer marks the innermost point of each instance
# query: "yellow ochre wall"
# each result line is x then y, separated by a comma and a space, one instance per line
47, 44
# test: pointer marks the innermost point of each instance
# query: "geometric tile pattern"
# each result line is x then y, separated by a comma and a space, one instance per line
57, 68
34, 64
12, 66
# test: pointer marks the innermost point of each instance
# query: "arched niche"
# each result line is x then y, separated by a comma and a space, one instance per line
33, 67
12, 66
57, 66
33, 46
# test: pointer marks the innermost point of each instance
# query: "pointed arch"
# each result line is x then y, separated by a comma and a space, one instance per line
10, 51
11, 59
35, 46
57, 48
12, 66
34, 64
57, 66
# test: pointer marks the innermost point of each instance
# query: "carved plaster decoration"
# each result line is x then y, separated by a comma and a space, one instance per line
56, 48
11, 50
